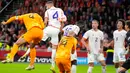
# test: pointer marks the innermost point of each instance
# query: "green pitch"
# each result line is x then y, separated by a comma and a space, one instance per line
44, 68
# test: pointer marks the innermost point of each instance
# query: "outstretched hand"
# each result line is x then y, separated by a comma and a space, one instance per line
3, 22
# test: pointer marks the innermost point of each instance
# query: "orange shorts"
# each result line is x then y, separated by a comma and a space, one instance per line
34, 35
63, 64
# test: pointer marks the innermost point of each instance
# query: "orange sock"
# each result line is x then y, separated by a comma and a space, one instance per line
32, 56
13, 51
68, 72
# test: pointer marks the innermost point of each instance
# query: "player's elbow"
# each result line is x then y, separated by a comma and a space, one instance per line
83, 40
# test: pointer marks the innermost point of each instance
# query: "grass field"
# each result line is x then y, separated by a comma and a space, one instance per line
44, 68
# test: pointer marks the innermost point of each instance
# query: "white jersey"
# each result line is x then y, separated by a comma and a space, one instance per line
94, 38
119, 39
55, 15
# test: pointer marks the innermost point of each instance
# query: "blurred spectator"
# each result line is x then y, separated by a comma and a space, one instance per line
79, 12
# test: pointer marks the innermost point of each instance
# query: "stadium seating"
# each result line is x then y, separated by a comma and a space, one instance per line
80, 12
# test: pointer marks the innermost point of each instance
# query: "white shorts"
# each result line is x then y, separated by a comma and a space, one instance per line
95, 57
52, 32
74, 56
119, 57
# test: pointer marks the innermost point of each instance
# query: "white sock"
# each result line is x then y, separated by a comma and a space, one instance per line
90, 70
126, 71
103, 69
27, 52
117, 70
73, 69
53, 57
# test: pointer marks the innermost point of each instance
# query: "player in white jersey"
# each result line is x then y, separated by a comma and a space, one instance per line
119, 36
73, 56
95, 46
55, 18
66, 30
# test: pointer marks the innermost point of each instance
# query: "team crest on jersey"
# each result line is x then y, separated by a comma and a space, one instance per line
63, 42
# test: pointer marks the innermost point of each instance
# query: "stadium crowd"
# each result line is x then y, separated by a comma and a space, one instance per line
3, 3
80, 12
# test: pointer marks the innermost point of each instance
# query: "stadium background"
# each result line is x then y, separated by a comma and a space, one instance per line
80, 12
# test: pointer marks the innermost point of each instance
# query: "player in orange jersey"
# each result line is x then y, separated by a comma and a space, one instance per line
66, 46
34, 25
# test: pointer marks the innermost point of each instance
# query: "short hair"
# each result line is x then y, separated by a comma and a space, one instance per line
121, 20
49, 2
96, 21
128, 23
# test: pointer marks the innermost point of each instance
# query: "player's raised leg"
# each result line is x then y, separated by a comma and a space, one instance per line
14, 49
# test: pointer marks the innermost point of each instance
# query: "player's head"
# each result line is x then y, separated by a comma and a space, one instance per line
120, 23
127, 25
95, 24
49, 4
74, 31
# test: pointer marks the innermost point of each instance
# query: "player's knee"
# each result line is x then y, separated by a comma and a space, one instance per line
121, 63
74, 62
116, 65
103, 63
32, 45
91, 64
68, 71
122, 72
62, 71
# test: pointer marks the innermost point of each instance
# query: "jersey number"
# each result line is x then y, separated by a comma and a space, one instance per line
116, 38
55, 15
96, 40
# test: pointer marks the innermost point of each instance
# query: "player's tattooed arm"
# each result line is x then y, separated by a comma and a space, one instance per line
62, 25
85, 43
101, 47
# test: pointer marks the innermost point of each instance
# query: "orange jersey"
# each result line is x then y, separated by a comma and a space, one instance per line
66, 45
30, 20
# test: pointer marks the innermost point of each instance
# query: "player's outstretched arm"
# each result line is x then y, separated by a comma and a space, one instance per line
101, 47
9, 20
83, 40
